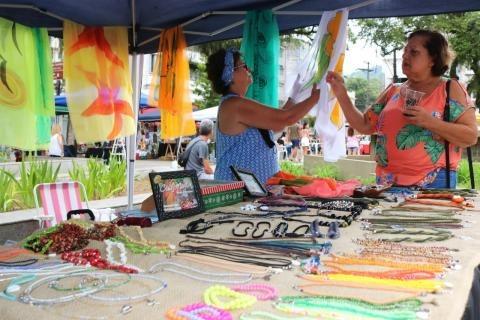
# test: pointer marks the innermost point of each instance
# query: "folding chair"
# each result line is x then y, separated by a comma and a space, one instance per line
57, 200
281, 152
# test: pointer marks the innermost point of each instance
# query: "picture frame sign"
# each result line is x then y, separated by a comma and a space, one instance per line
176, 194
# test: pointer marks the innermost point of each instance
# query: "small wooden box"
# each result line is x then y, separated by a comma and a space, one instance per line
221, 193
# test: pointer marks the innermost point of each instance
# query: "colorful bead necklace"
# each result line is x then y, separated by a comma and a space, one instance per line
260, 291
198, 311
217, 296
317, 306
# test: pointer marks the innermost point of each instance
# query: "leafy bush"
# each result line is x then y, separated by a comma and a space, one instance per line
101, 180
37, 172
292, 168
463, 175
7, 190
328, 171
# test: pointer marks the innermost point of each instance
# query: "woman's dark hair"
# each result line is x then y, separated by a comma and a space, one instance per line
437, 47
215, 65
350, 131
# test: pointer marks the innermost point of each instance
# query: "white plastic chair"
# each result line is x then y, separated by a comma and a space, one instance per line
57, 200
281, 152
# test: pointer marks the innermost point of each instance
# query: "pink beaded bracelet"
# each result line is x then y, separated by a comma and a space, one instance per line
198, 311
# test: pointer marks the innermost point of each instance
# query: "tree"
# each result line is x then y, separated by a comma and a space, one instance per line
207, 98
365, 91
461, 29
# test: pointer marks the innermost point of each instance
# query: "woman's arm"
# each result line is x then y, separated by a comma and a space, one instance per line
463, 132
355, 117
253, 114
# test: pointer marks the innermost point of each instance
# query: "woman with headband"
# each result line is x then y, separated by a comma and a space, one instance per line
244, 137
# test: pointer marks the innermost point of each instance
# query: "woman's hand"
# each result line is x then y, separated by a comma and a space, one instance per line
315, 94
418, 116
336, 83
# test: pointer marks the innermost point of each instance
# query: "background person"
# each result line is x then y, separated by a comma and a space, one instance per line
305, 139
410, 143
55, 148
353, 142
244, 138
293, 135
198, 157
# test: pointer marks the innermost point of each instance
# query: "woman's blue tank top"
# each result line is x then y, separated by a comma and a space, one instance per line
246, 150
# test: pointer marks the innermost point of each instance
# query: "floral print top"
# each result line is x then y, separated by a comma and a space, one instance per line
407, 154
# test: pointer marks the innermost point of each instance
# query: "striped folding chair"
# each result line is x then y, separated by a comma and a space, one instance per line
57, 200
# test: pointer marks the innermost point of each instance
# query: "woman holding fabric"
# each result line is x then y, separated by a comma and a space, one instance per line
244, 139
410, 139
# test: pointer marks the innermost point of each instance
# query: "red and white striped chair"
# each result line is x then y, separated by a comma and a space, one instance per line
57, 200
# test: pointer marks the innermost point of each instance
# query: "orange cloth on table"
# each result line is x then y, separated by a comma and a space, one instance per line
327, 188
313, 187
98, 87
169, 88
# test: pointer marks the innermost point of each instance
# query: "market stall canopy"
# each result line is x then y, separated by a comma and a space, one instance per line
61, 105
208, 20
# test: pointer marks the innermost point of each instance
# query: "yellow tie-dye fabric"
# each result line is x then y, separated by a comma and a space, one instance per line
169, 89
98, 86
26, 87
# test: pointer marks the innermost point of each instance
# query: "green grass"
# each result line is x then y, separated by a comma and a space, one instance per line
463, 175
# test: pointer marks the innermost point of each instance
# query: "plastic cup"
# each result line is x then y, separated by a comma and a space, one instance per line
412, 98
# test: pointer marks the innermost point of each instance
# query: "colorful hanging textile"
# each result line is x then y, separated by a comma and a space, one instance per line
327, 54
26, 86
260, 49
169, 89
98, 87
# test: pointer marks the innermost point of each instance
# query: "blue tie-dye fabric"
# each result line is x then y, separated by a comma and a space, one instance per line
246, 150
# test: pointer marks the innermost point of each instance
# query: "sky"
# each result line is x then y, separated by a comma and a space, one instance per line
359, 54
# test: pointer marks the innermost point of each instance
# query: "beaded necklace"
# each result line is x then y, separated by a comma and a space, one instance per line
256, 271
232, 251
227, 299
402, 274
407, 293
198, 311
423, 285
383, 261
262, 292
316, 306
204, 276
432, 234
143, 241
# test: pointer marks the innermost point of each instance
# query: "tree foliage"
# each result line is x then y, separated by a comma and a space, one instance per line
365, 91
461, 29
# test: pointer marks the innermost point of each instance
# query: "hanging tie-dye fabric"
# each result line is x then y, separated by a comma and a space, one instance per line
260, 50
327, 54
26, 86
169, 88
98, 87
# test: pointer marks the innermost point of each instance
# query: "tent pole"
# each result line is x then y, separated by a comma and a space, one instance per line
137, 70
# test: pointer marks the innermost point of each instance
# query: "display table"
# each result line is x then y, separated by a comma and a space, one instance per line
182, 290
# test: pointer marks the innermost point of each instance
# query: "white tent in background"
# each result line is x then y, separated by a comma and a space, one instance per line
210, 113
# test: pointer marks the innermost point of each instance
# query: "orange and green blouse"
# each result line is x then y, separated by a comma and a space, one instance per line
405, 153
